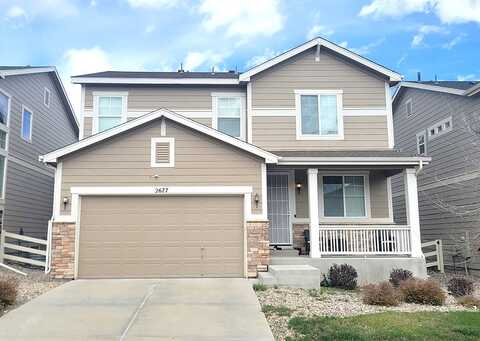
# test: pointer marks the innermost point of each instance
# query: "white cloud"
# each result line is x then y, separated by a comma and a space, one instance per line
155, 4
455, 41
243, 19
425, 30
343, 44
25, 10
150, 28
319, 30
402, 59
468, 77
256, 60
368, 48
195, 60
448, 11
15, 12
93, 3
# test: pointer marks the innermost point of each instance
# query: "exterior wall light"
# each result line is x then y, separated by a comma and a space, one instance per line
65, 201
257, 200
299, 187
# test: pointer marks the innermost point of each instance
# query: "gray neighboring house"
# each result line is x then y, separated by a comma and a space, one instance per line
439, 120
35, 117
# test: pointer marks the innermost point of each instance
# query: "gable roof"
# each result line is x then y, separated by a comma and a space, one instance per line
392, 75
7, 71
460, 88
54, 155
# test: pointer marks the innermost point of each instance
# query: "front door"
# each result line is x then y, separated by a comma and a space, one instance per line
279, 209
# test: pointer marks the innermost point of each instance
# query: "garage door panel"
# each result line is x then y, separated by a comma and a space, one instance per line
139, 237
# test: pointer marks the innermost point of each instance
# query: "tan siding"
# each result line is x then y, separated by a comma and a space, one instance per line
361, 132
378, 194
204, 120
149, 98
87, 126
125, 161
274, 88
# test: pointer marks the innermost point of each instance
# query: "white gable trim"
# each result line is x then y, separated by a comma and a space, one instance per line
53, 156
427, 87
13, 72
393, 76
132, 80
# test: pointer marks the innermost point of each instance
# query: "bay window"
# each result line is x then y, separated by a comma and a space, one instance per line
319, 114
229, 114
344, 196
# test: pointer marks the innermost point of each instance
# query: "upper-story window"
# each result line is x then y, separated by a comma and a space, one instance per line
109, 110
409, 107
319, 114
229, 114
421, 143
27, 121
440, 128
46, 97
4, 114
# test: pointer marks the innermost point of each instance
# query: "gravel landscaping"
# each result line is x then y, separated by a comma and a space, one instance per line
281, 304
34, 284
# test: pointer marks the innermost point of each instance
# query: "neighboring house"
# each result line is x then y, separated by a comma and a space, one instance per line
442, 120
183, 174
35, 117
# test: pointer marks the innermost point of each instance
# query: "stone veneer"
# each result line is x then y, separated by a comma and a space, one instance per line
258, 247
298, 239
63, 250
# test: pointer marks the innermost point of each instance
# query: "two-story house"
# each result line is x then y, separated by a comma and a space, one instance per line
35, 117
191, 174
441, 119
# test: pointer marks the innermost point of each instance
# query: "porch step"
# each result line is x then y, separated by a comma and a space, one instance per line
284, 253
267, 279
295, 276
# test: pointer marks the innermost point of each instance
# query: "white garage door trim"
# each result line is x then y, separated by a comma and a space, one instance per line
78, 192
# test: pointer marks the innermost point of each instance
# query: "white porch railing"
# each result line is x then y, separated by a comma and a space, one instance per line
365, 240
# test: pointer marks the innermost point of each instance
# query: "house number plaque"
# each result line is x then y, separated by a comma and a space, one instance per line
161, 190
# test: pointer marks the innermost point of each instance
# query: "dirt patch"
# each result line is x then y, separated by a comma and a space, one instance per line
34, 284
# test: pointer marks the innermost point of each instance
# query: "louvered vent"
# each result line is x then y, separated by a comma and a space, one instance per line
162, 152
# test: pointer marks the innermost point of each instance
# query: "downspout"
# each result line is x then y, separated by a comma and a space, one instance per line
419, 168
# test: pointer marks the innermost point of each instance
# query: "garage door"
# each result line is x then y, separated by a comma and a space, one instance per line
154, 237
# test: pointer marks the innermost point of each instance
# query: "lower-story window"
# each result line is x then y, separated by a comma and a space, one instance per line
344, 196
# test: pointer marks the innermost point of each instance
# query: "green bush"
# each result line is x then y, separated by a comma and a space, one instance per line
383, 294
422, 292
399, 275
469, 301
460, 286
8, 290
342, 276
259, 287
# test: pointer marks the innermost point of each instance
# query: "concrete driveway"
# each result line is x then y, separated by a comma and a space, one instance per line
170, 309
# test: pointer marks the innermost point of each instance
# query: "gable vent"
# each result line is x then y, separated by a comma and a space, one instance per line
162, 152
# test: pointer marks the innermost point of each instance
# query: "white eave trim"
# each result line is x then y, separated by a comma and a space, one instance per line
473, 90
53, 156
360, 161
393, 76
13, 72
427, 87
118, 80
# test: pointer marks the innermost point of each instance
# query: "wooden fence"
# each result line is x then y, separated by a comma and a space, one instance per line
11, 241
437, 254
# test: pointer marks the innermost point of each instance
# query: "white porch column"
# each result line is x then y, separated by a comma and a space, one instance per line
411, 205
313, 209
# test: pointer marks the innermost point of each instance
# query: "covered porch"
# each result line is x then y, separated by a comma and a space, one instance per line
331, 207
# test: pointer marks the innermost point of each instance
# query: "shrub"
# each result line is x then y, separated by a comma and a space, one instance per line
381, 294
469, 301
422, 292
343, 276
8, 290
324, 283
460, 286
259, 287
280, 310
399, 275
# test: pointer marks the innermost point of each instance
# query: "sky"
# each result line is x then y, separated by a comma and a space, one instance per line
435, 37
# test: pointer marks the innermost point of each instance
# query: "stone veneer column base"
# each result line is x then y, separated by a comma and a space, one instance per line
298, 238
63, 250
258, 247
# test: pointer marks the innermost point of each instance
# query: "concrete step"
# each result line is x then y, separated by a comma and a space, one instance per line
296, 276
266, 278
284, 253
298, 260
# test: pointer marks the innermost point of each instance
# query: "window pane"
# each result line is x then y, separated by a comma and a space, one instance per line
328, 115
105, 123
230, 126
3, 139
3, 108
333, 196
110, 106
229, 107
309, 112
26, 125
2, 173
354, 196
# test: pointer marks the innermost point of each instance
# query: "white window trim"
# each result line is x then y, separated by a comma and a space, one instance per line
407, 102
96, 96
424, 134
444, 131
45, 91
171, 152
25, 108
366, 190
243, 109
298, 110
